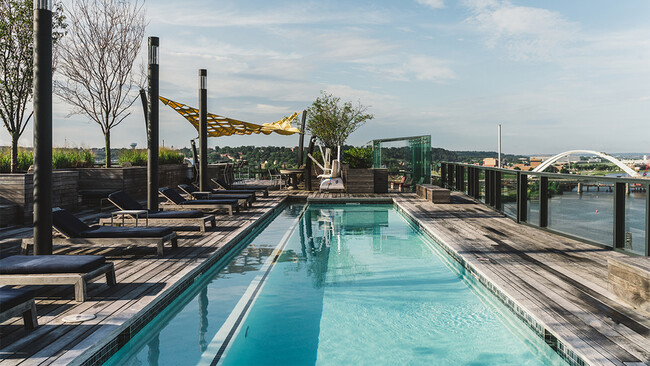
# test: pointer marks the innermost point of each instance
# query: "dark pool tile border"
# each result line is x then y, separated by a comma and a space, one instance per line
100, 353
560, 347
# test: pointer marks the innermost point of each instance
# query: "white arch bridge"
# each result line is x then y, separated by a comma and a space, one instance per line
547, 163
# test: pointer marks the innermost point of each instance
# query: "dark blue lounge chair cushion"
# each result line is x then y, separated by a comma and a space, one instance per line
10, 297
210, 202
66, 223
188, 188
172, 195
175, 214
126, 232
124, 201
40, 264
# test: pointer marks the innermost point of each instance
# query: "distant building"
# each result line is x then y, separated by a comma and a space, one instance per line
524, 167
535, 162
490, 162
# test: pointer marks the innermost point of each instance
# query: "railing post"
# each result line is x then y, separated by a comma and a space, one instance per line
477, 183
497, 190
543, 201
647, 220
522, 197
488, 188
619, 215
443, 175
462, 178
450, 176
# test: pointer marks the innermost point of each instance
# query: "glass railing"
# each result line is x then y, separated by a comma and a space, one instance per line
608, 211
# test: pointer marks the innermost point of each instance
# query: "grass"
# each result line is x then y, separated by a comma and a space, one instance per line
138, 157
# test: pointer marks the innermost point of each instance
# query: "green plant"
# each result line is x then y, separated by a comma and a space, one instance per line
136, 157
358, 157
24, 160
169, 156
72, 158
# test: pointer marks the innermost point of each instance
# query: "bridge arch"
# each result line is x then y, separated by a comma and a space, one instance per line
547, 163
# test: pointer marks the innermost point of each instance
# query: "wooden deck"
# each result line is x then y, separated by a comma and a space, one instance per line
559, 282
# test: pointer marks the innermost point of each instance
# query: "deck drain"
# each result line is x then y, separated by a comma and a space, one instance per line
76, 318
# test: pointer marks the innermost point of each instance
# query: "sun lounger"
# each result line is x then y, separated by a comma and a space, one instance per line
193, 192
223, 185
77, 232
189, 217
18, 302
250, 192
176, 202
20, 270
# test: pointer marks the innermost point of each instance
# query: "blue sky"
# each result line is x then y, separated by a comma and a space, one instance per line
558, 75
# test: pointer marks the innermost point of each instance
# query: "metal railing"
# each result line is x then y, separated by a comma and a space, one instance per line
563, 203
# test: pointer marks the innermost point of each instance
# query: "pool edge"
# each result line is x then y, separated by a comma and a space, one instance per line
101, 352
559, 345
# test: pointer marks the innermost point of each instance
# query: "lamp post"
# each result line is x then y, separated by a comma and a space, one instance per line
203, 130
152, 126
42, 127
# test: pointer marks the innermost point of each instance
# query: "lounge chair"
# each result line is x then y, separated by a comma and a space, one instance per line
77, 232
20, 270
245, 200
18, 302
190, 217
176, 202
223, 185
231, 191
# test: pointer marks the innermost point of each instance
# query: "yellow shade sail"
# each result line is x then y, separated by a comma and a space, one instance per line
224, 126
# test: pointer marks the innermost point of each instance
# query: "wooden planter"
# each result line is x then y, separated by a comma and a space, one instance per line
18, 190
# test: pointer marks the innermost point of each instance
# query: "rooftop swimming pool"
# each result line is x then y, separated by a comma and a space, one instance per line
337, 285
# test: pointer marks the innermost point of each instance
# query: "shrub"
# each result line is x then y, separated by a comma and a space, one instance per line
358, 157
72, 158
25, 159
138, 157
169, 156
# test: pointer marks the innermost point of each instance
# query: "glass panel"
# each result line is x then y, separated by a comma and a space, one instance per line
481, 185
509, 194
635, 219
466, 188
533, 200
588, 214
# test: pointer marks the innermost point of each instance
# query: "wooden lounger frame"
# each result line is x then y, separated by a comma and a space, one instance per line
79, 280
26, 309
243, 202
201, 222
206, 207
159, 242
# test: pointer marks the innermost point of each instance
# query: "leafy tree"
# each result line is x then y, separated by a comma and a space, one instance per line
17, 65
97, 61
332, 121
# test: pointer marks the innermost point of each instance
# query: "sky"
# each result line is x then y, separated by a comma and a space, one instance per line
557, 75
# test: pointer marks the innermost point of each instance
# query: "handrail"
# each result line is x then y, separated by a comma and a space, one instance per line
487, 187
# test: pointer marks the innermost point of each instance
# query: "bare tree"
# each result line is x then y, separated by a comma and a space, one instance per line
97, 60
17, 65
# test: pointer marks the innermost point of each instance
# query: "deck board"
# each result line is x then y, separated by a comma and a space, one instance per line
560, 282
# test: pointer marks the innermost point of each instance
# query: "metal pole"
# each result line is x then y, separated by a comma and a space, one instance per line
522, 197
203, 130
619, 215
308, 164
153, 126
301, 143
499, 143
42, 127
543, 201
195, 159
145, 108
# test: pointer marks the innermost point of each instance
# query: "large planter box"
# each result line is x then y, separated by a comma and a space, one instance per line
381, 180
359, 180
18, 189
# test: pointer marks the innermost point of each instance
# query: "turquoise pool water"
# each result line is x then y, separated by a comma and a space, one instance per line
339, 285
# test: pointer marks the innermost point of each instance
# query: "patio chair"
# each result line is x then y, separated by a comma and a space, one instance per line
245, 200
276, 176
76, 231
231, 191
176, 202
20, 270
18, 302
189, 217
223, 185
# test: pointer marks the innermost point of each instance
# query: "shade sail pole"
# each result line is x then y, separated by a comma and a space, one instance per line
153, 130
203, 130
42, 127
301, 144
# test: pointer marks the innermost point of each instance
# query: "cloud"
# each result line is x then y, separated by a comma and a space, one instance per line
410, 67
525, 32
434, 4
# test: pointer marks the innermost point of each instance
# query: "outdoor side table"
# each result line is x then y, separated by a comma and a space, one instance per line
135, 213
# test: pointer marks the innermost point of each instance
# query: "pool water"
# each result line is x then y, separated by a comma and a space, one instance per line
337, 285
